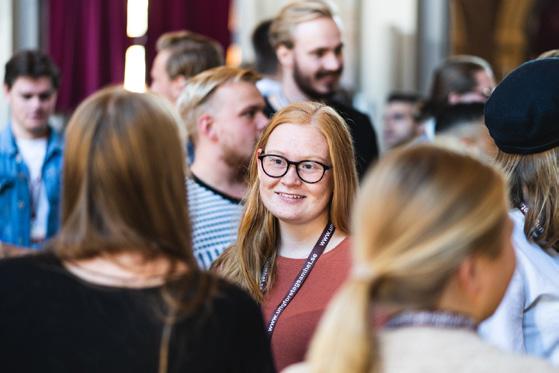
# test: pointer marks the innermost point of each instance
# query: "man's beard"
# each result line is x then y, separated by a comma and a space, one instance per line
237, 162
304, 82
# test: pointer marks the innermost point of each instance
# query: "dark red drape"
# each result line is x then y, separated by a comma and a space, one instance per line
546, 33
207, 17
87, 39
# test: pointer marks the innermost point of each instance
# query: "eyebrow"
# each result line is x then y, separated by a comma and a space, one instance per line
326, 49
258, 106
303, 158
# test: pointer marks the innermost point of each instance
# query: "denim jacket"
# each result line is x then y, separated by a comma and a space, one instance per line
15, 198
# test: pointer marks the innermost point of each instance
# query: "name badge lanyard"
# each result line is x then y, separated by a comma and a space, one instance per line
316, 252
538, 229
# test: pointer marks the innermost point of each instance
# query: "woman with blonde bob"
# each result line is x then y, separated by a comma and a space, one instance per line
432, 258
292, 250
119, 289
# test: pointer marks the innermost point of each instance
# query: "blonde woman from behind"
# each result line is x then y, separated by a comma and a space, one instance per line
432, 259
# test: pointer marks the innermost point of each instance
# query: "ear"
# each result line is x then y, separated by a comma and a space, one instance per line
420, 129
7, 92
177, 85
256, 155
206, 128
467, 277
285, 56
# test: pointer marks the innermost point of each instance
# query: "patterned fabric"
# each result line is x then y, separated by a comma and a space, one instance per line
214, 217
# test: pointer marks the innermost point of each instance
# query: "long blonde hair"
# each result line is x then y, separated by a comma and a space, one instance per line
420, 213
258, 234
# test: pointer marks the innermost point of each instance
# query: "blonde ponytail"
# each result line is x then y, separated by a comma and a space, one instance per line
420, 213
348, 318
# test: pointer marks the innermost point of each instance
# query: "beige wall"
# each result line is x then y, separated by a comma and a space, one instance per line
388, 52
6, 50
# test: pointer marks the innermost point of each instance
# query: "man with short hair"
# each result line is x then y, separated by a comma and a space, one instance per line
309, 48
181, 55
401, 119
223, 113
30, 152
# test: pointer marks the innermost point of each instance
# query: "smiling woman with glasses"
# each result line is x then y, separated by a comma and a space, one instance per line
292, 251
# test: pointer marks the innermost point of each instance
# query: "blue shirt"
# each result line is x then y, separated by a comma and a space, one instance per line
15, 198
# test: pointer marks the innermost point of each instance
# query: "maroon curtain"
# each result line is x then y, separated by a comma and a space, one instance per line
207, 17
87, 39
546, 31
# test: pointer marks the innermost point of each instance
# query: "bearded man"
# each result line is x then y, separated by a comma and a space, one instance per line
309, 47
223, 113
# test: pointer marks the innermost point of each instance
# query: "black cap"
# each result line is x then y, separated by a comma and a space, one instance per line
522, 114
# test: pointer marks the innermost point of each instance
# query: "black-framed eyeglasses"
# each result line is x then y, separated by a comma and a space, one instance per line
276, 166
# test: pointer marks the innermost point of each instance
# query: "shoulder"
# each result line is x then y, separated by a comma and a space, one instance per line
350, 114
38, 262
443, 348
232, 298
537, 267
7, 142
198, 189
29, 273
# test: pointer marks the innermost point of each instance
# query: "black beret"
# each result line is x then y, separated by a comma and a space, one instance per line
522, 114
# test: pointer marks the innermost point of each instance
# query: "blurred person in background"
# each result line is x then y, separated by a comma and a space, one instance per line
401, 119
459, 79
265, 60
308, 44
30, 153
223, 113
118, 289
180, 56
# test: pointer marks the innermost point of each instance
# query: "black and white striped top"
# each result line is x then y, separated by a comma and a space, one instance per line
214, 217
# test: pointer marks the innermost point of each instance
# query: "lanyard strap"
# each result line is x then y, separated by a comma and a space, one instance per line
438, 319
316, 252
538, 229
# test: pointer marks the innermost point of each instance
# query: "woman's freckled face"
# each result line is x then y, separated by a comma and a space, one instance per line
288, 198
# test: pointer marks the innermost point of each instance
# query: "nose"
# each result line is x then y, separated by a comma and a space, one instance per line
36, 102
261, 121
291, 177
332, 61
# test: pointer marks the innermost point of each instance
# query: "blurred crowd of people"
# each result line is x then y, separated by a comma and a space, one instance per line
237, 219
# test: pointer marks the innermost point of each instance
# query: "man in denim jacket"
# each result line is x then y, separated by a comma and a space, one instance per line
30, 153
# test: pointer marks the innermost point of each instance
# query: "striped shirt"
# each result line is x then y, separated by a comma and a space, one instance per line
214, 217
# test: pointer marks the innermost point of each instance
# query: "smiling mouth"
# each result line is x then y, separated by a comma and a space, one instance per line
290, 196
